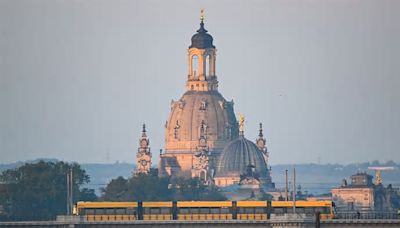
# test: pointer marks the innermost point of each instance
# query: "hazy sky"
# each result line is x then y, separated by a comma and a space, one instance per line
78, 78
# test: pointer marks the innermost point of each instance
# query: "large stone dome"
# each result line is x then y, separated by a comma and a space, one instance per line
237, 156
193, 110
202, 123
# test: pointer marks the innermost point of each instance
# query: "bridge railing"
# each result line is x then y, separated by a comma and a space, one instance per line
367, 215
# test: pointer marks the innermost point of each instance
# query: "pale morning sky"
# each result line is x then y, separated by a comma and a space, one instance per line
78, 78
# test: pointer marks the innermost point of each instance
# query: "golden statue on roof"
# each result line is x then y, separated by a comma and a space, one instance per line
241, 123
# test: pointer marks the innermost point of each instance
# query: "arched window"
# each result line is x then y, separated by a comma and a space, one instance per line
195, 66
207, 70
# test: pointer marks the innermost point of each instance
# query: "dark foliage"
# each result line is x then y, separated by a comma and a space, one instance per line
266, 196
87, 194
137, 188
193, 189
153, 188
38, 191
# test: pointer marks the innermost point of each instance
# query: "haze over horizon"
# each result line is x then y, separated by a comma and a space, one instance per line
78, 78
111, 162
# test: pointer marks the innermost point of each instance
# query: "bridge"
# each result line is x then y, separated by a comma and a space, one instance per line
273, 223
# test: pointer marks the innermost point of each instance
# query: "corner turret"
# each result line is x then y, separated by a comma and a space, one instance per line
143, 156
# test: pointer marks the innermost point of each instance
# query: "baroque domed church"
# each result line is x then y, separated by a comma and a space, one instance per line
203, 138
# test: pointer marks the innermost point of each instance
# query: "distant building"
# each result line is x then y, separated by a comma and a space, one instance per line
362, 194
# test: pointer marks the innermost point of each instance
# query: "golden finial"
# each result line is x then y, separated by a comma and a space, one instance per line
202, 15
241, 124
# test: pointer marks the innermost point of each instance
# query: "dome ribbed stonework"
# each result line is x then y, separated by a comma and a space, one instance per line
237, 156
190, 112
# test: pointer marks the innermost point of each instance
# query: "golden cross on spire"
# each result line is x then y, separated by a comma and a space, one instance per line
202, 15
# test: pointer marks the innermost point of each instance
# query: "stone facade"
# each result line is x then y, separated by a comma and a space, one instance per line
355, 198
202, 123
363, 195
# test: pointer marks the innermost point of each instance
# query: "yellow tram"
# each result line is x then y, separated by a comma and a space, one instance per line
325, 208
107, 211
198, 210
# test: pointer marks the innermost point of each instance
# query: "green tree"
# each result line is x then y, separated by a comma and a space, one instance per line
194, 189
138, 188
149, 188
153, 188
38, 191
87, 194
116, 190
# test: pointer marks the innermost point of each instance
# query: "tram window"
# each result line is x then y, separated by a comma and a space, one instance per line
165, 210
323, 209
278, 210
225, 210
119, 211
152, 210
99, 212
155, 210
309, 210
204, 211
109, 211
130, 211
194, 211
88, 211
184, 210
214, 210
300, 210
259, 210
249, 210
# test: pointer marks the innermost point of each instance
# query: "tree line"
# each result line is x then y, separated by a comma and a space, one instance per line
153, 188
38, 191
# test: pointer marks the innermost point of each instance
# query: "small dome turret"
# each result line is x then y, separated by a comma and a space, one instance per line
238, 155
202, 39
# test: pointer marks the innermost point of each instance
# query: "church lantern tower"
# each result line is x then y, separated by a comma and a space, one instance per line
143, 156
202, 54
202, 121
